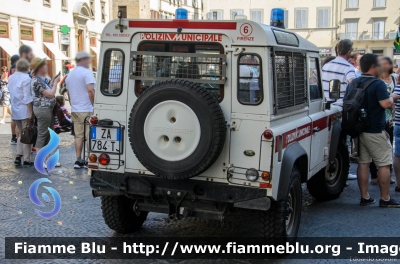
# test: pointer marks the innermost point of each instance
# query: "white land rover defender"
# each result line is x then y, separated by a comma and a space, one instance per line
199, 118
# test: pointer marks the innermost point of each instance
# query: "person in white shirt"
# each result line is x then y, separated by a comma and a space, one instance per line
342, 70
19, 85
81, 87
339, 68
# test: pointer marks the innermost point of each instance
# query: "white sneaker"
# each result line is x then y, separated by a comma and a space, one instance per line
351, 176
58, 164
2, 122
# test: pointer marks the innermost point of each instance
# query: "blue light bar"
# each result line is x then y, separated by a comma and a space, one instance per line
278, 17
181, 13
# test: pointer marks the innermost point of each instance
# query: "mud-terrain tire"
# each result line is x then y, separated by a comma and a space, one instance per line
328, 185
280, 224
177, 129
119, 216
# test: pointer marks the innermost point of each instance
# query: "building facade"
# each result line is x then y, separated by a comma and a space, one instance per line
371, 24
55, 30
156, 9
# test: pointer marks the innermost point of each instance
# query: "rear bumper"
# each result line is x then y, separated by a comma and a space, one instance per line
156, 194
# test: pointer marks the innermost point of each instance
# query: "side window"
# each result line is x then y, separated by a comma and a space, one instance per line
113, 72
290, 80
250, 79
314, 80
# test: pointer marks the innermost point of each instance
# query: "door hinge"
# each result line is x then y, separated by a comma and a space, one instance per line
232, 125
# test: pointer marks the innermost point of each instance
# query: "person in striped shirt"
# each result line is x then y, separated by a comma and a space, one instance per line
339, 68
396, 162
342, 70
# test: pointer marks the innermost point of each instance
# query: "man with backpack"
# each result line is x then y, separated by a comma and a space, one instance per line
364, 105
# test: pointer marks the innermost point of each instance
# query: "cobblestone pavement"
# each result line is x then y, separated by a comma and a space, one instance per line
80, 213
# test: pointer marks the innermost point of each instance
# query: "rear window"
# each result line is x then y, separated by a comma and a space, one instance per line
112, 74
200, 63
250, 83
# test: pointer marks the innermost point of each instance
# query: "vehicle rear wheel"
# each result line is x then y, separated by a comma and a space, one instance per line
281, 222
329, 182
119, 216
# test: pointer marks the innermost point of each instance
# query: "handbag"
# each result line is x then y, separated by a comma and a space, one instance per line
29, 133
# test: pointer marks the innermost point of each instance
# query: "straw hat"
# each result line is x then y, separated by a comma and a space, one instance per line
36, 63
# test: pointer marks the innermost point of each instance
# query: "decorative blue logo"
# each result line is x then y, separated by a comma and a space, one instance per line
35, 199
44, 152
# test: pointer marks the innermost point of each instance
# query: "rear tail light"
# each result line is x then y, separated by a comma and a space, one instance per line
265, 176
265, 185
104, 159
268, 134
94, 120
92, 158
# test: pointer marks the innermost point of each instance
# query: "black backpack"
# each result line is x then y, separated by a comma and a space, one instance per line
354, 115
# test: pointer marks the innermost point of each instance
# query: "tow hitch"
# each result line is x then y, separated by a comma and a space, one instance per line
174, 206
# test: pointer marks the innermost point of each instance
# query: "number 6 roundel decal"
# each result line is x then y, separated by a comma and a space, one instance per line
246, 29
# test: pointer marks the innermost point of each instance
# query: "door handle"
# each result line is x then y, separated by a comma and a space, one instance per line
316, 129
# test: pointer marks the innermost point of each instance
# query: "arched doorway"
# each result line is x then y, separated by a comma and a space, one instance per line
81, 15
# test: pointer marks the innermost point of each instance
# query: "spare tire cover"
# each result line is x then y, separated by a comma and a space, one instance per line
177, 129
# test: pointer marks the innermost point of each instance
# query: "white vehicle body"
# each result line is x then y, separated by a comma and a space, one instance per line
284, 96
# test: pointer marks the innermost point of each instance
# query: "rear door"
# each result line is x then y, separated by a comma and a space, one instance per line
202, 63
249, 109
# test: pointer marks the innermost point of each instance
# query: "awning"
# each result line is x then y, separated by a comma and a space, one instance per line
37, 51
8, 46
95, 50
58, 55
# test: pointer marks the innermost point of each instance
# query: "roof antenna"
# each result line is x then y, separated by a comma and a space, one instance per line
120, 26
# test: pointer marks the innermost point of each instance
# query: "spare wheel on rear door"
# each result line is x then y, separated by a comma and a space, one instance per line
177, 129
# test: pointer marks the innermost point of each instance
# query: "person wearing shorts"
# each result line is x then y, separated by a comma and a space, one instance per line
19, 85
81, 86
374, 142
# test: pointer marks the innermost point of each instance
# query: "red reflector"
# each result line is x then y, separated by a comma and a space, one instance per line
93, 166
104, 159
94, 120
268, 134
265, 185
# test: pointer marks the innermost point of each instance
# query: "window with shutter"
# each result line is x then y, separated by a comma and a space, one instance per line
256, 16
323, 17
301, 18
380, 3
286, 21
219, 15
351, 29
352, 3
379, 29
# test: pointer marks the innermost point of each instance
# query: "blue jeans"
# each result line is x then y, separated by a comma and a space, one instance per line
397, 141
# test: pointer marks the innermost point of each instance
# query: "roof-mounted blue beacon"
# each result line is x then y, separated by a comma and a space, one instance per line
181, 13
278, 18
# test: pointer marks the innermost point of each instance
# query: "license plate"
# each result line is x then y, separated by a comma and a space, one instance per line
104, 139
